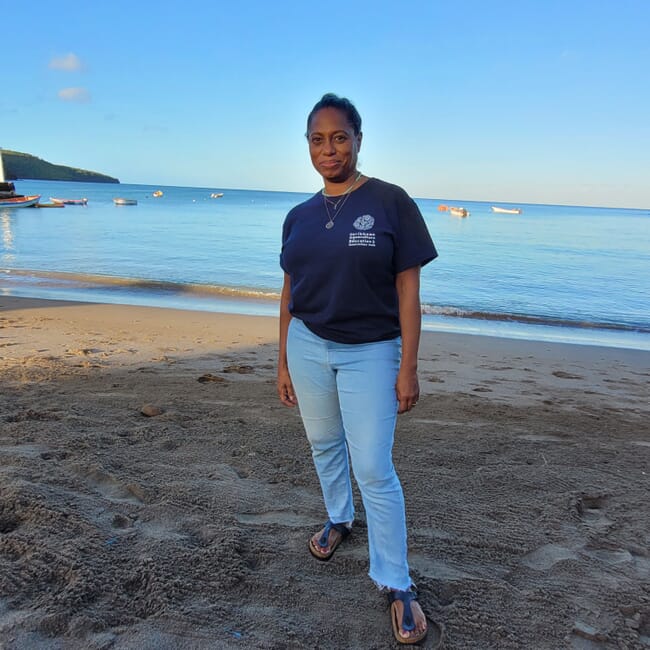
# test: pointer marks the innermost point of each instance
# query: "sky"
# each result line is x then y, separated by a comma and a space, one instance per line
527, 101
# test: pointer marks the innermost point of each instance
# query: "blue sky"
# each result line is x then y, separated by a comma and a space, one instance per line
531, 101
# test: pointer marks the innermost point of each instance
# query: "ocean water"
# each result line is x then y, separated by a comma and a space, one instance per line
556, 273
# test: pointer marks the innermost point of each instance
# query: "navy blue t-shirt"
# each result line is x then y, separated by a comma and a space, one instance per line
343, 278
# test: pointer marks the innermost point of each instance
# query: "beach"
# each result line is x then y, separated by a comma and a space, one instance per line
154, 493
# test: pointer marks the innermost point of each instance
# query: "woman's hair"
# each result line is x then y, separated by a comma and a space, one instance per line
343, 104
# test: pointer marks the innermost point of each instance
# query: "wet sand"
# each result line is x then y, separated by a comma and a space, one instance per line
525, 468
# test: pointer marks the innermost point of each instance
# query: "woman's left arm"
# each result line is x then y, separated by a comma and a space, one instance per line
407, 284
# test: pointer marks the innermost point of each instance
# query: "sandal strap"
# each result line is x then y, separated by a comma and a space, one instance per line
406, 597
342, 529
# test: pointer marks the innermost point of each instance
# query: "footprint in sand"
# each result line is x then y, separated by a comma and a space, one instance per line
545, 557
611, 556
566, 375
239, 369
209, 377
109, 487
591, 510
84, 351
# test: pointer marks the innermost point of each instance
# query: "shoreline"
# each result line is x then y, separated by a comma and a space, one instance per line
99, 289
155, 493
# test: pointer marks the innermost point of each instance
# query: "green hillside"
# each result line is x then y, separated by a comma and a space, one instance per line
19, 165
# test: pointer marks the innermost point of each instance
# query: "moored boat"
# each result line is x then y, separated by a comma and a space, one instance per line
216, 195
69, 201
19, 201
158, 193
121, 201
497, 209
458, 211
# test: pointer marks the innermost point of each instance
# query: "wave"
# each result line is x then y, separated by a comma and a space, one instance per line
48, 280
530, 319
62, 279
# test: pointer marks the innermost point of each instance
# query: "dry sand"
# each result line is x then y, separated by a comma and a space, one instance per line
525, 469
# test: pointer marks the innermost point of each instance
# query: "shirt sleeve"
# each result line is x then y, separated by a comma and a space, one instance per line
414, 246
285, 236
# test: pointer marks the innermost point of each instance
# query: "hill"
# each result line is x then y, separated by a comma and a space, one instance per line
19, 165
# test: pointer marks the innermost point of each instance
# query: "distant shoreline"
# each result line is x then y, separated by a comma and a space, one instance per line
315, 189
24, 166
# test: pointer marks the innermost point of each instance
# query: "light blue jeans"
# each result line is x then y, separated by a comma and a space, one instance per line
346, 394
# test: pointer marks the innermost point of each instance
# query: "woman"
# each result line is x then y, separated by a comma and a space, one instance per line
349, 335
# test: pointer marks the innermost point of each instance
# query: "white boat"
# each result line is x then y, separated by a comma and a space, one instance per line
216, 195
69, 201
459, 212
120, 201
506, 210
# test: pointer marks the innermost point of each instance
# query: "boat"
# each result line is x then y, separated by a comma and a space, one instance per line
458, 212
69, 201
49, 205
495, 208
216, 195
8, 196
158, 193
19, 201
443, 208
120, 201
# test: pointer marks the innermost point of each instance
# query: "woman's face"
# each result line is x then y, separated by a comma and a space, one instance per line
333, 147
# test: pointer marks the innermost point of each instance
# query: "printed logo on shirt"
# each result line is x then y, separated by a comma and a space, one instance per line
364, 222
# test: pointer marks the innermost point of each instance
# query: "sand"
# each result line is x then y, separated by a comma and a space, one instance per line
525, 468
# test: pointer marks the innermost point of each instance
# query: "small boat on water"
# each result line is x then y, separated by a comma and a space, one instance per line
69, 201
458, 212
499, 210
120, 201
443, 208
49, 205
20, 201
158, 193
216, 195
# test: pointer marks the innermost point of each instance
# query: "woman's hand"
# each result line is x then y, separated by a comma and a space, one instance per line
407, 389
285, 388
408, 291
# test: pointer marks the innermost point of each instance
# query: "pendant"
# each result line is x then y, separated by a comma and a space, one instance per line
329, 225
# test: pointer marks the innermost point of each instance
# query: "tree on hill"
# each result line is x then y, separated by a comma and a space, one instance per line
18, 165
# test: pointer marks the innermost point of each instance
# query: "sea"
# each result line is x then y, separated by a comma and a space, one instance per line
572, 274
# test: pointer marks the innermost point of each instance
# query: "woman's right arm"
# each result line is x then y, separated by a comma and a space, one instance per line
285, 387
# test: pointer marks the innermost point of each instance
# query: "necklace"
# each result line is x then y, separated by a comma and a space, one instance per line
335, 204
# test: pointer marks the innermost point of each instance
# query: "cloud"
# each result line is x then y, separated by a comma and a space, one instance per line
80, 95
68, 62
